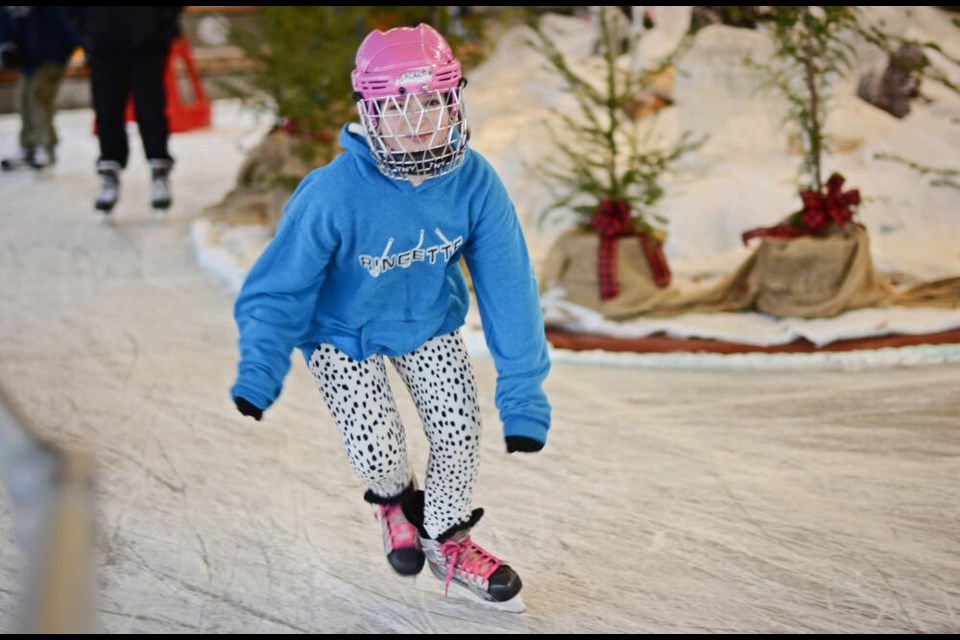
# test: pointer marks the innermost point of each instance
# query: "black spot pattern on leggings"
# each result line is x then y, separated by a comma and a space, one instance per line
440, 380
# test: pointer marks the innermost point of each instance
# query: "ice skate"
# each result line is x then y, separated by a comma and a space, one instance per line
455, 558
160, 194
109, 172
401, 541
43, 160
21, 159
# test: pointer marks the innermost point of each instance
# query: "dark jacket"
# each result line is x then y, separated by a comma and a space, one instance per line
125, 29
39, 34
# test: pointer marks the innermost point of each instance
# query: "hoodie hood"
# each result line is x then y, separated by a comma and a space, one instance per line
353, 141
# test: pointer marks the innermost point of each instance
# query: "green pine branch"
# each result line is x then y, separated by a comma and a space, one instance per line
939, 177
602, 157
817, 42
925, 70
811, 49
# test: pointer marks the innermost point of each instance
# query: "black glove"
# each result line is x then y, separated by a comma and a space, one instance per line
245, 407
520, 443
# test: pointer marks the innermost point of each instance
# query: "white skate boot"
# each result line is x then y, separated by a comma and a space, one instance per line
22, 158
160, 195
109, 172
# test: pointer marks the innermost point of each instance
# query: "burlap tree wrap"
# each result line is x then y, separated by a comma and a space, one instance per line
572, 264
810, 277
806, 277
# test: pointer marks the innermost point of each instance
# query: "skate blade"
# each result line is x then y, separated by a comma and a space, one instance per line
513, 605
103, 212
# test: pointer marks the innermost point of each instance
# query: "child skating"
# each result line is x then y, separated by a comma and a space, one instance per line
364, 268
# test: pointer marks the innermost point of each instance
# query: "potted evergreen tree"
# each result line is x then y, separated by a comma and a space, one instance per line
608, 174
816, 262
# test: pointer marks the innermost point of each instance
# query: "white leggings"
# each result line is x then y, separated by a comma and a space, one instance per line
440, 380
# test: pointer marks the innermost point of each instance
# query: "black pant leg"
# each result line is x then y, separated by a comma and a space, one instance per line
110, 86
150, 102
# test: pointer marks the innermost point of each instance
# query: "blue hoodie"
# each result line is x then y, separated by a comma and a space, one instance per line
371, 265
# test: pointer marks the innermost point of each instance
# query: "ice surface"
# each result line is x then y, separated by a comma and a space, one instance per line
772, 496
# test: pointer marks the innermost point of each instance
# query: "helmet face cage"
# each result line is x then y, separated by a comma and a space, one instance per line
416, 134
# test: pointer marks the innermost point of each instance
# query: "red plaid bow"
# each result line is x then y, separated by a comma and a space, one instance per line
612, 221
819, 211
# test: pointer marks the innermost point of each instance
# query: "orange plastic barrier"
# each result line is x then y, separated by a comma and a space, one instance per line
184, 112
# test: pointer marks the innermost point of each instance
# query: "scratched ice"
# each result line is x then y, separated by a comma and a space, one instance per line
749, 495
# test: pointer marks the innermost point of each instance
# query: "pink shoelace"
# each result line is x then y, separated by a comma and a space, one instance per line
472, 559
403, 535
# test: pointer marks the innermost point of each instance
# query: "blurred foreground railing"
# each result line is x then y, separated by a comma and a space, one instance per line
53, 523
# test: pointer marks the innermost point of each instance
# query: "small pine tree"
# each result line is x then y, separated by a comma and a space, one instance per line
608, 159
302, 61
812, 49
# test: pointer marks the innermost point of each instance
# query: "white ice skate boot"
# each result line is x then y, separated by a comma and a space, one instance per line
160, 195
401, 541
455, 557
109, 172
44, 162
22, 158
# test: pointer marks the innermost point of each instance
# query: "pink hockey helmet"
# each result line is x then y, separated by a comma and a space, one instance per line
402, 60
408, 86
